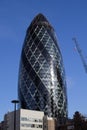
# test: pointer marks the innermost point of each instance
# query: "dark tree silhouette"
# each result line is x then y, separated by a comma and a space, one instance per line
80, 122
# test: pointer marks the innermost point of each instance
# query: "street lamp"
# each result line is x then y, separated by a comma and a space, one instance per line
14, 102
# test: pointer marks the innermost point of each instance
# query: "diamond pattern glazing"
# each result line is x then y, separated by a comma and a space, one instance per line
42, 84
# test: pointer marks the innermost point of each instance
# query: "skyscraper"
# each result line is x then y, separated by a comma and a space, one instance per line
41, 84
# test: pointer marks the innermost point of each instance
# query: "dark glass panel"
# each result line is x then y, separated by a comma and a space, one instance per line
36, 66
36, 41
37, 53
32, 89
33, 36
46, 55
37, 96
32, 60
41, 88
26, 49
37, 30
33, 47
30, 42
29, 54
33, 105
37, 81
32, 74
40, 46
41, 59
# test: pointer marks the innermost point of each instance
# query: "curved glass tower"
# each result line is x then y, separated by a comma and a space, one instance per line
42, 84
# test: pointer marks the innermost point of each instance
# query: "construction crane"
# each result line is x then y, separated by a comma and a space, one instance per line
80, 53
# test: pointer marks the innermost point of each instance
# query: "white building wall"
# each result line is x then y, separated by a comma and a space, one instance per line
31, 120
25, 120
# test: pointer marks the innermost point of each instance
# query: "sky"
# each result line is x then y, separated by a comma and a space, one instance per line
69, 19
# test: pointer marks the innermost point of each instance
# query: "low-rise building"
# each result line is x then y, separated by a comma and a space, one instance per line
49, 123
24, 119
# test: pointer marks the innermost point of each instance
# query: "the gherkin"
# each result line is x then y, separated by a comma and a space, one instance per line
41, 84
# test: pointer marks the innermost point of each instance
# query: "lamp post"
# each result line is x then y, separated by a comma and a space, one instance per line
15, 102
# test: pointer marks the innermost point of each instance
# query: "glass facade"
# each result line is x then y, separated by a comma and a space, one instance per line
41, 84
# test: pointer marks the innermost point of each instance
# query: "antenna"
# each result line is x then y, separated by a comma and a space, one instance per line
80, 53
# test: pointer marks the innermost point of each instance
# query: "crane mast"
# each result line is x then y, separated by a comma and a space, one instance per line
80, 53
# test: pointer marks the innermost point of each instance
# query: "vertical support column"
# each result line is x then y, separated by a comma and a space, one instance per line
15, 102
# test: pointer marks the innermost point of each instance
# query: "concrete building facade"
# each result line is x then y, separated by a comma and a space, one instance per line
50, 123
32, 120
25, 120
